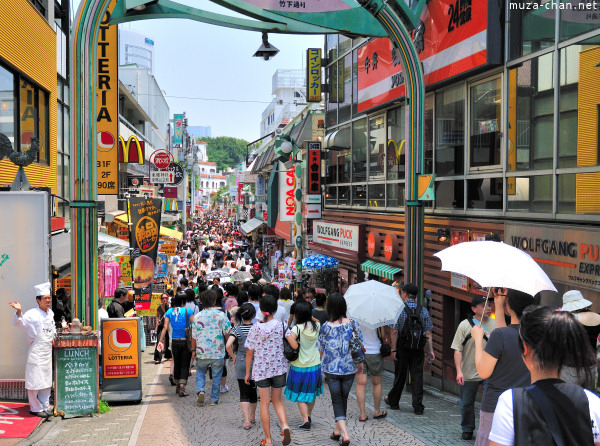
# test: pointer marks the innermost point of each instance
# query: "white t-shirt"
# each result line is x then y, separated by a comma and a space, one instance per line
503, 426
371, 341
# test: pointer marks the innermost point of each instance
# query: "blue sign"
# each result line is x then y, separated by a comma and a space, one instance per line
149, 41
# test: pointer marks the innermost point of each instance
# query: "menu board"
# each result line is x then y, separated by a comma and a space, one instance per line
76, 385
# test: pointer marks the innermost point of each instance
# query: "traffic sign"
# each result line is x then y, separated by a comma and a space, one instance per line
162, 176
161, 159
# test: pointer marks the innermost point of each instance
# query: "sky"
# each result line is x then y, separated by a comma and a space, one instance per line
209, 72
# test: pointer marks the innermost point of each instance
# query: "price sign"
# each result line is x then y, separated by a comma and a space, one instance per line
76, 389
162, 176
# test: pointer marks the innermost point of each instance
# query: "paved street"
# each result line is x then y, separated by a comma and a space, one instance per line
172, 420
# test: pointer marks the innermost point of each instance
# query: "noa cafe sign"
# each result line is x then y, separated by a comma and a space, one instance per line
336, 235
390, 245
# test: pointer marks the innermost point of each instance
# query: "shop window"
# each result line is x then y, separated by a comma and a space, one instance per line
330, 195
530, 194
484, 193
450, 194
485, 124
428, 135
359, 195
396, 149
344, 83
344, 166
7, 104
331, 105
575, 21
359, 150
331, 43
529, 29
395, 195
377, 151
354, 82
578, 137
531, 115
344, 196
331, 167
578, 193
345, 44
376, 195
450, 131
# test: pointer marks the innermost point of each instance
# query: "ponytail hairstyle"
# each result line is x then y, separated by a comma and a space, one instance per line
246, 312
557, 340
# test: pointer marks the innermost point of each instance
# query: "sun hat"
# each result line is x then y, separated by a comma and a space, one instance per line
573, 300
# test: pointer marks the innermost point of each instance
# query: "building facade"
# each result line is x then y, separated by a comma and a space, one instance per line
136, 48
511, 134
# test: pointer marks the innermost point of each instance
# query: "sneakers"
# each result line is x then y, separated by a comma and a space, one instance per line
224, 389
200, 398
305, 426
214, 403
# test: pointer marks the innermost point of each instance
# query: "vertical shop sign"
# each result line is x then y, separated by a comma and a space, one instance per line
390, 247
313, 75
178, 135
107, 108
145, 216
287, 194
458, 280
373, 243
314, 168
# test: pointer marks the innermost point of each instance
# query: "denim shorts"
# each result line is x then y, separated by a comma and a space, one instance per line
276, 382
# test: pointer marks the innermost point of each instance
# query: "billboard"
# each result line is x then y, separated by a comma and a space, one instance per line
120, 348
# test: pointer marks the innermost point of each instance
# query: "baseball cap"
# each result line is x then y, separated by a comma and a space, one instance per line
410, 288
479, 300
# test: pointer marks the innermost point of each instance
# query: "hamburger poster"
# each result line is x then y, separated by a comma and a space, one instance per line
145, 229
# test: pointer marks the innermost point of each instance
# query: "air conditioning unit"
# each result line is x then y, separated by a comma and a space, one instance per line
278, 131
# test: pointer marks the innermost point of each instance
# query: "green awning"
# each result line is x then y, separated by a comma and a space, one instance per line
379, 269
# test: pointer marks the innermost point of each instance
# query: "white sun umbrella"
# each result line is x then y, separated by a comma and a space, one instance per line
373, 303
496, 264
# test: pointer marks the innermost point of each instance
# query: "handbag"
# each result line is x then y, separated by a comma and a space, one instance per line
188, 332
385, 349
357, 350
291, 354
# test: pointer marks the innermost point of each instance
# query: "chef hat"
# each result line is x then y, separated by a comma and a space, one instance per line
43, 289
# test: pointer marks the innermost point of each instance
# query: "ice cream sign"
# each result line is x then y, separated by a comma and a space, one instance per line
336, 235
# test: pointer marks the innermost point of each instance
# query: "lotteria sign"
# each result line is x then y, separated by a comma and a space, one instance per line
336, 235
453, 37
287, 194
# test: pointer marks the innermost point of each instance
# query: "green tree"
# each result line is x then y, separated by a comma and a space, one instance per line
225, 151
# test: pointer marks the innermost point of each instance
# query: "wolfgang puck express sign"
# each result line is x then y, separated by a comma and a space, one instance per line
145, 220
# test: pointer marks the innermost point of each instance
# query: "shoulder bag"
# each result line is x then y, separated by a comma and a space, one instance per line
188, 332
386, 349
290, 353
357, 349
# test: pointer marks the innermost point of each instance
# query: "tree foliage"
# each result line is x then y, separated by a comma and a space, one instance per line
225, 151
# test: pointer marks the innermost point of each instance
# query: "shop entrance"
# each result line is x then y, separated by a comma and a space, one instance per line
380, 18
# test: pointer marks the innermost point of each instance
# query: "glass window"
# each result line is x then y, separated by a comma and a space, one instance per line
29, 115
486, 124
450, 131
577, 18
396, 150
395, 195
330, 195
59, 129
484, 193
7, 104
377, 145
578, 136
331, 167
67, 125
530, 30
345, 44
67, 178
344, 83
531, 114
42, 126
449, 194
428, 135
578, 193
331, 43
359, 195
530, 194
344, 195
359, 150
377, 195
354, 82
331, 111
344, 165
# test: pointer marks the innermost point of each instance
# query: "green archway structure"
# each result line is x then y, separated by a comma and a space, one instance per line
376, 18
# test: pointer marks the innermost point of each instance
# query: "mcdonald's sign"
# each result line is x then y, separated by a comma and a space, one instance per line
126, 155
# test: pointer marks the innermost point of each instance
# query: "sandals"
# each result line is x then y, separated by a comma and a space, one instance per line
247, 426
182, 391
335, 436
263, 442
345, 442
382, 414
287, 436
365, 419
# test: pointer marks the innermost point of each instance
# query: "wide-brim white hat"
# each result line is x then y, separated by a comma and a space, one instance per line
573, 300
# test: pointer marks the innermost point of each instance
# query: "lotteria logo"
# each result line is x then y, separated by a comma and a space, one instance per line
119, 340
106, 141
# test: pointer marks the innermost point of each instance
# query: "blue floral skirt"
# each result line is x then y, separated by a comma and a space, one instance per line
304, 384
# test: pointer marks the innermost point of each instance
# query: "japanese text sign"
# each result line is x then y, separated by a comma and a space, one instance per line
313, 184
313, 75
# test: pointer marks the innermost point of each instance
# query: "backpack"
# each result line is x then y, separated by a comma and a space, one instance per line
412, 336
468, 336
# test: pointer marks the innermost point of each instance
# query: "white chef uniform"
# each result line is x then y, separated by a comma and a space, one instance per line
40, 331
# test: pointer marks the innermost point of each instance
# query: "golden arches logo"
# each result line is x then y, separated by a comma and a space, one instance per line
125, 150
397, 148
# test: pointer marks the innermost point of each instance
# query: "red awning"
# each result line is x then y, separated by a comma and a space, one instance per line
282, 229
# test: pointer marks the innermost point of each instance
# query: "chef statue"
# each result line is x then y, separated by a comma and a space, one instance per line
40, 331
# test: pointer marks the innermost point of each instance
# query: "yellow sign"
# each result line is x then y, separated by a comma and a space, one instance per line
107, 107
146, 234
120, 348
313, 75
125, 153
154, 303
168, 248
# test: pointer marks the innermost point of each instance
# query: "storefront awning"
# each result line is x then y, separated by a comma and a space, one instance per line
170, 233
282, 229
379, 269
251, 225
123, 218
61, 251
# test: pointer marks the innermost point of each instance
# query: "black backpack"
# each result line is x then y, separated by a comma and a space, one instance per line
468, 336
412, 336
